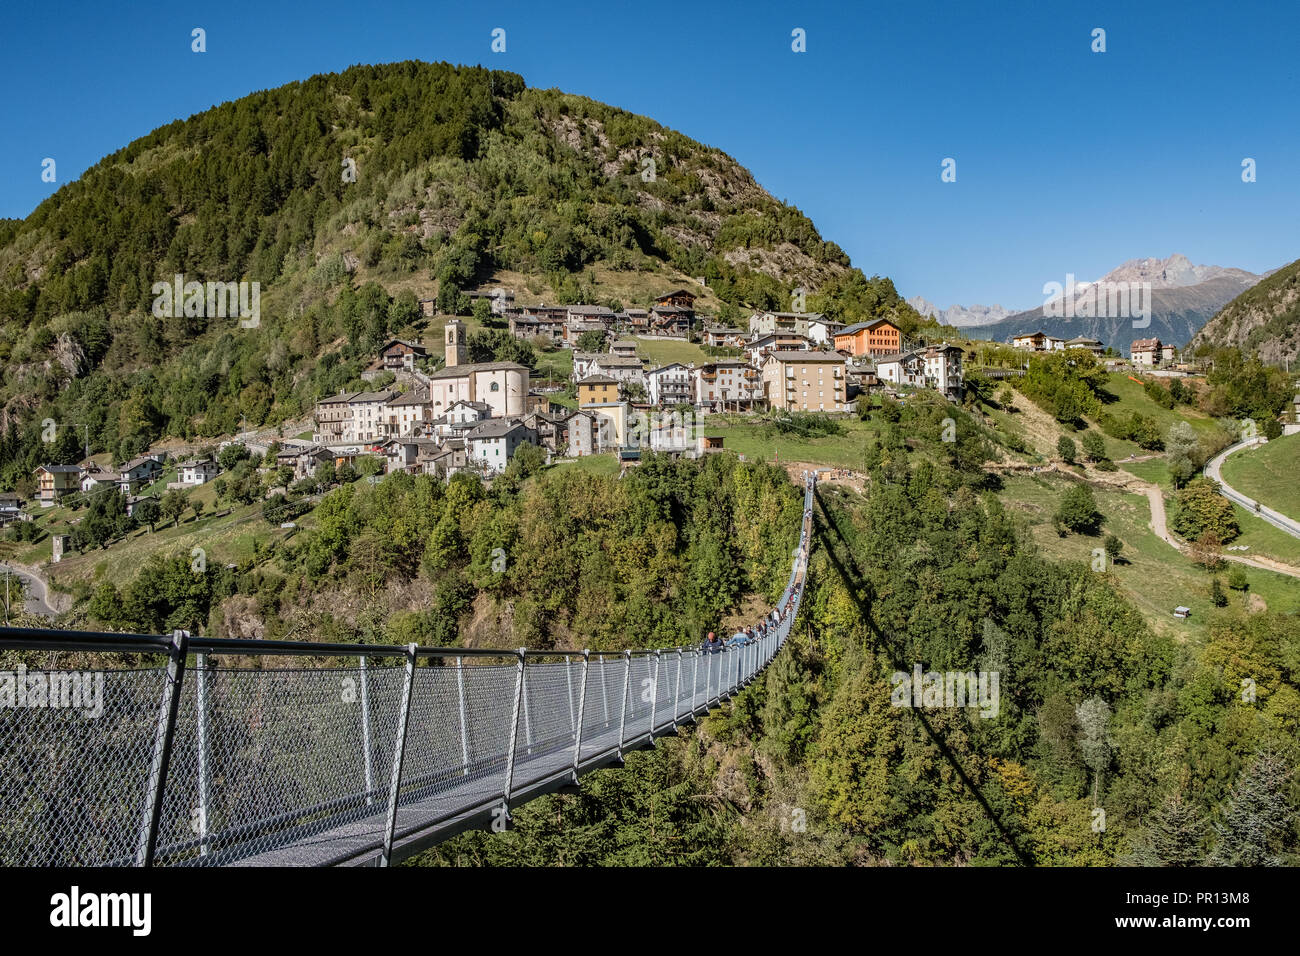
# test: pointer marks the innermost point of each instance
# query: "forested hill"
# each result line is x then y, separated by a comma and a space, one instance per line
459, 173
1264, 319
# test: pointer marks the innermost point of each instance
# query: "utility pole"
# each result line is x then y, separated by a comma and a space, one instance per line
8, 572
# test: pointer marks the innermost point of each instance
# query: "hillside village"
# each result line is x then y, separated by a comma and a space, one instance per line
476, 415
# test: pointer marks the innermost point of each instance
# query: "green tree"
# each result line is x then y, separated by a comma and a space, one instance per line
1174, 835
498, 345
173, 506
105, 520
148, 512
1078, 510
1068, 406
1257, 826
1183, 453
1094, 445
1093, 716
1201, 509
232, 455
1066, 449
592, 341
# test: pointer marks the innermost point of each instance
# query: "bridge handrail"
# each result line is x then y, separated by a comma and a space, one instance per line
339, 764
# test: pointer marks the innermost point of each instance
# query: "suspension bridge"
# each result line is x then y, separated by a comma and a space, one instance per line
200, 761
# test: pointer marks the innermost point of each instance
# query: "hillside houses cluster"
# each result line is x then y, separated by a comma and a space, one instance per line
1042, 342
472, 416
476, 415
798, 362
1150, 353
672, 315
464, 415
792, 361
55, 482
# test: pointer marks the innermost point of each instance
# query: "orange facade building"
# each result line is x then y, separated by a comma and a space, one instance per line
880, 337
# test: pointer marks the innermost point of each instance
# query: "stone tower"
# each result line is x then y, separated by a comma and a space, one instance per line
455, 342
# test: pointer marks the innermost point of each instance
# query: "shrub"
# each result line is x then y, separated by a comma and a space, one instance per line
1078, 510
1201, 510
1094, 445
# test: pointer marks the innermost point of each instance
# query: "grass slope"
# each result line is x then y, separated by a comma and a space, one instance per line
1268, 473
1153, 575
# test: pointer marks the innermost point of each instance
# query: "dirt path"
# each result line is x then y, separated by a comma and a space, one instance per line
1160, 526
1124, 481
826, 476
38, 593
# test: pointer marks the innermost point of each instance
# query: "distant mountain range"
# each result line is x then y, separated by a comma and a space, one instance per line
1183, 298
961, 316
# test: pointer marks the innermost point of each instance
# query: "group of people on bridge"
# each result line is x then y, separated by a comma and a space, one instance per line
756, 632
753, 632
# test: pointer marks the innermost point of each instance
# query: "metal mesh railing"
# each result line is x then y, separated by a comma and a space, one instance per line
200, 761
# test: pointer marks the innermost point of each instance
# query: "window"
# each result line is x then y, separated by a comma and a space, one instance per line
496, 387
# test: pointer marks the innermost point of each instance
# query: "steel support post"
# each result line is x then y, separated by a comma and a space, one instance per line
582, 708
164, 733
399, 754
654, 692
622, 714
514, 733
205, 763
677, 694
464, 724
366, 748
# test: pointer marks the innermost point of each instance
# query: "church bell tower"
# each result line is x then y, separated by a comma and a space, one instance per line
455, 342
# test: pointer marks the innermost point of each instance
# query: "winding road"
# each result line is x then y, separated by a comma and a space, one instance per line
37, 593
1275, 518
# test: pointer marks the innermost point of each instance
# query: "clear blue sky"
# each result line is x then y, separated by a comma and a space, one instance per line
1067, 160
